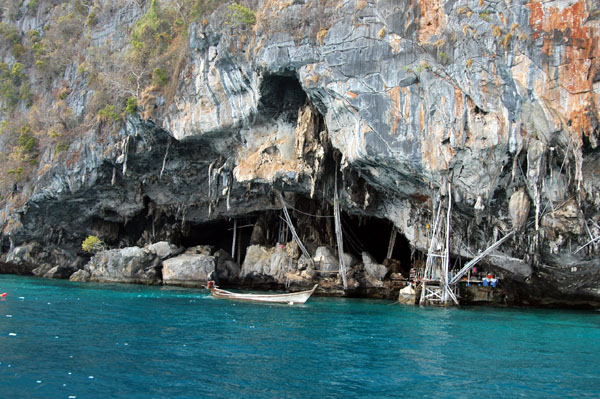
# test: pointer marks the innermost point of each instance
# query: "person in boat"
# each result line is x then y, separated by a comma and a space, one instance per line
213, 276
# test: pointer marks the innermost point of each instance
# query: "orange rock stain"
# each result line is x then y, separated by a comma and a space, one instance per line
566, 30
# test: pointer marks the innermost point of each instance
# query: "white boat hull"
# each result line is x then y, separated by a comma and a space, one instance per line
291, 298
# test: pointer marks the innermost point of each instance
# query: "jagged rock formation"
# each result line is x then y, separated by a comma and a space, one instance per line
394, 99
126, 265
188, 269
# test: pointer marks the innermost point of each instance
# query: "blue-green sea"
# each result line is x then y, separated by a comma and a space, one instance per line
69, 340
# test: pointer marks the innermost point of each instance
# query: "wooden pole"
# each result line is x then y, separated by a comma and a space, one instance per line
422, 300
446, 262
239, 250
430, 254
392, 242
588, 243
289, 223
338, 235
476, 260
234, 238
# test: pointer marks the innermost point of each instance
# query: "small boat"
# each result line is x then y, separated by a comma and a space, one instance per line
291, 298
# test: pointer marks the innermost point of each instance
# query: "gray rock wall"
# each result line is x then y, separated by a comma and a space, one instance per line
501, 100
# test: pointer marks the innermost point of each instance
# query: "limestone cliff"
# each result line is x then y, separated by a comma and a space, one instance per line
395, 100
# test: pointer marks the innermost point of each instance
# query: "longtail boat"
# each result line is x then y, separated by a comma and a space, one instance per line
291, 298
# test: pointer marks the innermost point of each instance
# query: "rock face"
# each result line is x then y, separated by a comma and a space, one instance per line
127, 265
373, 270
407, 295
226, 268
393, 100
190, 270
518, 209
326, 259
34, 258
164, 250
263, 263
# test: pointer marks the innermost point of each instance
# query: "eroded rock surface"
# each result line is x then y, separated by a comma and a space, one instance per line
190, 270
127, 265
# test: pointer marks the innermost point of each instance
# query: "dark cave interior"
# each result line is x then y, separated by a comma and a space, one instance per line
219, 234
280, 97
362, 233
372, 235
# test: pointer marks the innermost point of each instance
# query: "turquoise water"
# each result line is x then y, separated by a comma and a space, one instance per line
68, 340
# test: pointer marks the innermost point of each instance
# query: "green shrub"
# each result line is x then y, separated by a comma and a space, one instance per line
60, 147
14, 86
81, 69
27, 143
16, 174
131, 105
92, 244
443, 56
485, 16
32, 5
160, 77
34, 35
151, 34
11, 37
198, 9
108, 113
92, 19
240, 15
9, 34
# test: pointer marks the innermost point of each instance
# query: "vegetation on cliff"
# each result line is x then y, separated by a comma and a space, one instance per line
71, 67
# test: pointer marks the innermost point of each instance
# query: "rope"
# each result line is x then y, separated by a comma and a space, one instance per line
288, 220
355, 246
352, 239
308, 214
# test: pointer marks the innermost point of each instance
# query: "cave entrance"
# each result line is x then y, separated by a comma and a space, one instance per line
219, 234
281, 96
372, 235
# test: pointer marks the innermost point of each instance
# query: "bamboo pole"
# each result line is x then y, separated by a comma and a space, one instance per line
234, 238
588, 243
338, 234
239, 250
430, 254
392, 242
289, 223
446, 262
479, 257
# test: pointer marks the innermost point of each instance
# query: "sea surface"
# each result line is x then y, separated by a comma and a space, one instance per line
74, 340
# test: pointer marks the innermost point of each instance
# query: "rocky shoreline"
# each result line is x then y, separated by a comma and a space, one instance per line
162, 263
264, 268
388, 114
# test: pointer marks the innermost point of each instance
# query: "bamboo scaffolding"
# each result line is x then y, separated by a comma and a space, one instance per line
446, 291
479, 257
430, 256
